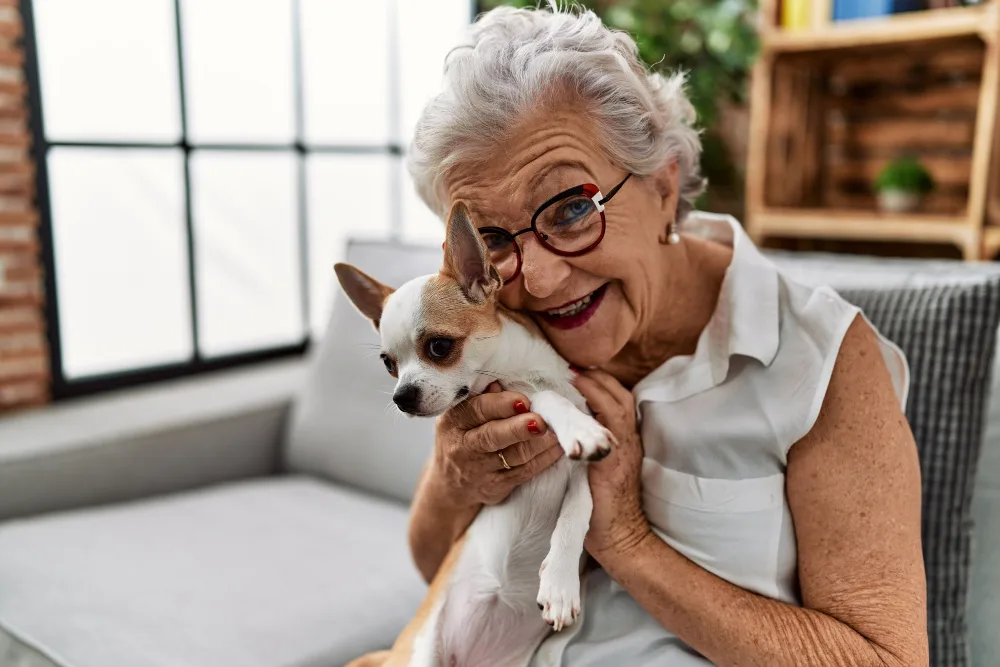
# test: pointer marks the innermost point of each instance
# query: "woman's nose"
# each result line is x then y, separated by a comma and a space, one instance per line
543, 272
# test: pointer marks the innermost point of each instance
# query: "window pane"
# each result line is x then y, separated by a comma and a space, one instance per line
245, 209
121, 258
238, 70
348, 196
425, 38
108, 69
345, 67
420, 224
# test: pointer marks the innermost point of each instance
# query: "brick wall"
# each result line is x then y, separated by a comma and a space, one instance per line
24, 372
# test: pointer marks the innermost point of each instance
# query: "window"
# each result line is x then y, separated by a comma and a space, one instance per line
201, 164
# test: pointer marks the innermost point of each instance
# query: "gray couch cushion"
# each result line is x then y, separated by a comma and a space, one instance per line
343, 425
273, 573
15, 653
944, 316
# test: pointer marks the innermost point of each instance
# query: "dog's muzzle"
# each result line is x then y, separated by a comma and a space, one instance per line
407, 398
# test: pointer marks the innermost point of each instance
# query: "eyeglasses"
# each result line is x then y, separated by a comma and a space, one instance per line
569, 225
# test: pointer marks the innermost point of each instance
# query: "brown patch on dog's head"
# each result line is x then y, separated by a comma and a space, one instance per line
459, 305
447, 313
367, 294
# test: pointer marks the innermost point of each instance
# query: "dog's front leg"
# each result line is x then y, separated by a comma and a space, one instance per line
559, 589
581, 436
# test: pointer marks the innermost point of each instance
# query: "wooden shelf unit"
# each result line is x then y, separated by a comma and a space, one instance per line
830, 104
853, 225
893, 29
991, 242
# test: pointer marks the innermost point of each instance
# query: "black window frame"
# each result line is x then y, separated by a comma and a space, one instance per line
65, 388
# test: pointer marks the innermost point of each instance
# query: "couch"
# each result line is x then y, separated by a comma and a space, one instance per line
257, 517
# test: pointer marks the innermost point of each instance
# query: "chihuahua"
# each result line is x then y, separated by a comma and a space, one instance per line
445, 337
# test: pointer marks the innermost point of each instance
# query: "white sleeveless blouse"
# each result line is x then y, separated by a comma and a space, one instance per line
716, 428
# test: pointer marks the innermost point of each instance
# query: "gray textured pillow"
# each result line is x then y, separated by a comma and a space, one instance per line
948, 333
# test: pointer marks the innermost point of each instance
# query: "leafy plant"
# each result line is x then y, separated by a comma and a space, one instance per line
906, 174
714, 41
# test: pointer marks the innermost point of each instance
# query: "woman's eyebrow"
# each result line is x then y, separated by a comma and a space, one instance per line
539, 180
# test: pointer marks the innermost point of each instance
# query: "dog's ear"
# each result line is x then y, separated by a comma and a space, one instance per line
465, 257
367, 294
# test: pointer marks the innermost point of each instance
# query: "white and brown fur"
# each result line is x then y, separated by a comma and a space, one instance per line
524, 554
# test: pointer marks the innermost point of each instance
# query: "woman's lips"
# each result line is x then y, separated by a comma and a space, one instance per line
580, 318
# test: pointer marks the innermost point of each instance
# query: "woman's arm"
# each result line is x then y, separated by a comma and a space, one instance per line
437, 519
853, 485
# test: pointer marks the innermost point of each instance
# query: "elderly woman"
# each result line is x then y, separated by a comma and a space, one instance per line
763, 507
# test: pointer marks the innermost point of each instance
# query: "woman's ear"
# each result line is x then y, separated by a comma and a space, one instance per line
667, 182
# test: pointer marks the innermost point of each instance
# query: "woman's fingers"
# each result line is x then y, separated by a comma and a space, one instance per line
523, 473
499, 482
611, 385
487, 407
522, 452
502, 433
600, 400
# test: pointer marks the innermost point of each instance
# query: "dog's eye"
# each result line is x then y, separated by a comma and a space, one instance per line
390, 365
438, 348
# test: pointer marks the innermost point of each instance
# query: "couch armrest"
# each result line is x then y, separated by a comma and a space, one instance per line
160, 439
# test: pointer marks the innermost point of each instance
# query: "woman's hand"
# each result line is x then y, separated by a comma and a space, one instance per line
618, 523
471, 437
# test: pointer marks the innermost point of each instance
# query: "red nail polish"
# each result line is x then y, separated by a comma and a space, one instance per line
520, 408
533, 427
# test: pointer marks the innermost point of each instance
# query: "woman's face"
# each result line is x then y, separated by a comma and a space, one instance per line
623, 276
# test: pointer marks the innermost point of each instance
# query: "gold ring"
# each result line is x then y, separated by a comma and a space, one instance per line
506, 465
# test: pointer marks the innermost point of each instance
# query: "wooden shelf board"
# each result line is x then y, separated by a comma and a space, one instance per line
892, 29
991, 242
860, 225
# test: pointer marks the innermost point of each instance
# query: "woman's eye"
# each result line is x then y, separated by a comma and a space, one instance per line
575, 209
439, 348
390, 365
495, 241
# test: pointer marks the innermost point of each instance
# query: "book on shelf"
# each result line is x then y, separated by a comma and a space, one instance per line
846, 10
796, 14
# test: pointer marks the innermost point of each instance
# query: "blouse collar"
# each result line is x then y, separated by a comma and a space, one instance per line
745, 321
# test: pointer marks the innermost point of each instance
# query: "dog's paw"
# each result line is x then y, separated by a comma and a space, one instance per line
559, 595
585, 438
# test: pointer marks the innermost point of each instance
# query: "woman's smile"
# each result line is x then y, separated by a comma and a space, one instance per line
575, 313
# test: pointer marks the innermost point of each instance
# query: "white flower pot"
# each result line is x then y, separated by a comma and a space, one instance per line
899, 201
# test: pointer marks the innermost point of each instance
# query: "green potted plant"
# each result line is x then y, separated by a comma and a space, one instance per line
902, 184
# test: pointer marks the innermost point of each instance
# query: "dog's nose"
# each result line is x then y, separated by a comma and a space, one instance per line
407, 398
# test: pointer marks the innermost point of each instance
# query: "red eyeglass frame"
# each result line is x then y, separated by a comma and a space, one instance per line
588, 189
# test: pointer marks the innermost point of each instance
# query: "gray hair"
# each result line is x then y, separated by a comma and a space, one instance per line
520, 59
